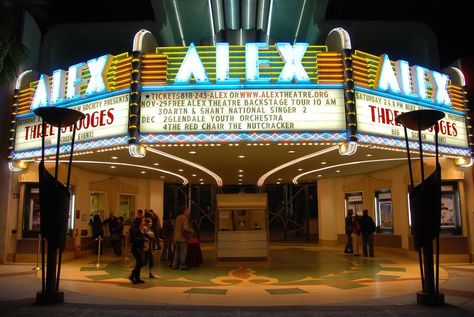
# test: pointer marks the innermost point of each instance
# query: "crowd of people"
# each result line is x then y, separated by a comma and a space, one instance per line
146, 234
180, 239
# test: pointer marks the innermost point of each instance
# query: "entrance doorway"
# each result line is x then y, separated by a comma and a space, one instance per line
293, 209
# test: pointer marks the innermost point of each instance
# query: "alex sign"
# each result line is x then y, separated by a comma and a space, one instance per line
405, 80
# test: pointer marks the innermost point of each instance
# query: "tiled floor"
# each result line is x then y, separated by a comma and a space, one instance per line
297, 274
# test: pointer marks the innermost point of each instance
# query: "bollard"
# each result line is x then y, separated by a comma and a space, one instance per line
98, 251
37, 267
126, 258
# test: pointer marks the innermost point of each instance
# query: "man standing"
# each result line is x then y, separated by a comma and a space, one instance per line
181, 230
367, 228
115, 234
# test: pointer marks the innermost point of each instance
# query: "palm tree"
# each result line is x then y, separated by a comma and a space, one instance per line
13, 54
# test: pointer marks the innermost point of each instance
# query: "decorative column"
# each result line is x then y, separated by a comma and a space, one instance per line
425, 206
54, 204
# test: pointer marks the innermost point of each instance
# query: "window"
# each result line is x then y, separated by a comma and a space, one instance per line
31, 211
450, 209
383, 211
354, 201
126, 207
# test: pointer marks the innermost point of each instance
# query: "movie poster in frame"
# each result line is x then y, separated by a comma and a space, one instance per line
385, 208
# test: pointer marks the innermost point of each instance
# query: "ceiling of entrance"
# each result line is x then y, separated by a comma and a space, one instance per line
240, 163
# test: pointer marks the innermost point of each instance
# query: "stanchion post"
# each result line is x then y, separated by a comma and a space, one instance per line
38, 246
98, 251
126, 249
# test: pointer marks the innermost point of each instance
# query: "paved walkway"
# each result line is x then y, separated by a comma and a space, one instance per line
300, 280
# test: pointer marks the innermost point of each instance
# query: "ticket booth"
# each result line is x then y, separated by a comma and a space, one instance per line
242, 227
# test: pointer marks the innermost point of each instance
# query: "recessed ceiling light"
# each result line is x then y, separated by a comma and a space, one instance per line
323, 163
114, 158
278, 183
240, 171
240, 175
291, 152
241, 180
338, 171
180, 170
369, 155
300, 169
241, 156
193, 175
113, 166
156, 164
279, 179
319, 175
192, 152
201, 179
143, 172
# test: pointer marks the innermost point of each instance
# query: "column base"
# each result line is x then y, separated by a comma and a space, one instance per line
49, 298
430, 299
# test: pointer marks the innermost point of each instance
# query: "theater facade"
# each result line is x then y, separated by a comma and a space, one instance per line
245, 115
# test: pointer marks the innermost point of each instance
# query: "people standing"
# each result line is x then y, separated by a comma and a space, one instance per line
367, 229
356, 235
148, 247
97, 233
115, 235
348, 229
137, 240
181, 229
167, 235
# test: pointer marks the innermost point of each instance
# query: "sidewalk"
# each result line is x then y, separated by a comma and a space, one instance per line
329, 284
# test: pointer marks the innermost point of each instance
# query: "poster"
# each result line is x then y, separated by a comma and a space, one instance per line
448, 219
385, 208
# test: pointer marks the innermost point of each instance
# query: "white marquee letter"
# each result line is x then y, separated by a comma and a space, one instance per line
222, 65
57, 87
292, 56
386, 79
252, 63
42, 93
74, 81
191, 65
439, 82
98, 68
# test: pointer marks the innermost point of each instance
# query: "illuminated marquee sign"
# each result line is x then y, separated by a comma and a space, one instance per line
376, 116
243, 110
251, 89
104, 118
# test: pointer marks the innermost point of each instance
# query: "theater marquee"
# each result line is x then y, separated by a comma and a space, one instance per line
251, 93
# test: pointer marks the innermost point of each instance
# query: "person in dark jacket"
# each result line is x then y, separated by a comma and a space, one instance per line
167, 234
137, 240
367, 229
97, 232
115, 235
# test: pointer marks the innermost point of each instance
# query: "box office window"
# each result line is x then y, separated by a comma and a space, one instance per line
384, 211
355, 202
126, 207
450, 209
31, 211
